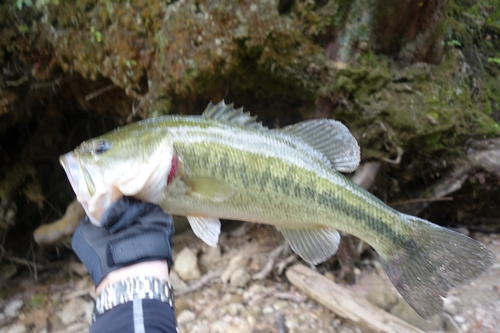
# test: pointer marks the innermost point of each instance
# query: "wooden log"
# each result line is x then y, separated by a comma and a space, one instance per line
344, 303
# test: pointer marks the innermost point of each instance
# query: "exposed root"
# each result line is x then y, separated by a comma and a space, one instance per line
100, 92
397, 160
366, 173
280, 267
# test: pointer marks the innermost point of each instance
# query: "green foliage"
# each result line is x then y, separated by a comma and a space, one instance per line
38, 301
20, 3
95, 35
494, 60
488, 8
453, 42
23, 28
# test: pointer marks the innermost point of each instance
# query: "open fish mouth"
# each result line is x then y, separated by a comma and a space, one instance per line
71, 167
78, 176
89, 184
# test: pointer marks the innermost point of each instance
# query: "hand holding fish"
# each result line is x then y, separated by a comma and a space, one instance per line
128, 259
132, 232
223, 164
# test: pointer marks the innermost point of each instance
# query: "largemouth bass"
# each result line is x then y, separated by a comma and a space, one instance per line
223, 164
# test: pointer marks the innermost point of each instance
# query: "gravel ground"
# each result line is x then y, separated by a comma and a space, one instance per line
226, 294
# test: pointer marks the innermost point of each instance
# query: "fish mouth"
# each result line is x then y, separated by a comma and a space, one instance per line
72, 168
78, 176
93, 193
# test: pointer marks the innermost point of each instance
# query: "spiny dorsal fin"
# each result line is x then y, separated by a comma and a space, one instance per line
332, 139
227, 113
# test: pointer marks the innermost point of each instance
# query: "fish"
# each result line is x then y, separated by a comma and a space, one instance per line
225, 164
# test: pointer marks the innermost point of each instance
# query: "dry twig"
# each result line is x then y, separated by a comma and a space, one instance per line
75, 328
280, 267
34, 261
290, 296
28, 263
452, 322
100, 92
200, 283
268, 267
79, 293
280, 322
404, 202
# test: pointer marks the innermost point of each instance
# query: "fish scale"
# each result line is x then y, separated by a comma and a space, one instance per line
228, 166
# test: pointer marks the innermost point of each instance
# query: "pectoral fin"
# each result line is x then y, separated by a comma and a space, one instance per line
313, 245
215, 190
206, 228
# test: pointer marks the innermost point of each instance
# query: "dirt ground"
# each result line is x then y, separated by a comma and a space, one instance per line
225, 294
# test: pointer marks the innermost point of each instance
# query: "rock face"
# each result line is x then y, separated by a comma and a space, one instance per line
186, 265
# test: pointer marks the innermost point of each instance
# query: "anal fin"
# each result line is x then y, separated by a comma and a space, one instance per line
206, 228
313, 245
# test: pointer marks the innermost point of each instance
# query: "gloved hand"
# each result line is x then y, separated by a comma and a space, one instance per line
132, 232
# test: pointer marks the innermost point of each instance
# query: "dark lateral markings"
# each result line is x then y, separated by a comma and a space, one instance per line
223, 164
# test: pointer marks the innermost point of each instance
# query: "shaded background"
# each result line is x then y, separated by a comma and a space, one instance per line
417, 82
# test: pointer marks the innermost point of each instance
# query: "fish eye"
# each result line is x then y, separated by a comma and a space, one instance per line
101, 146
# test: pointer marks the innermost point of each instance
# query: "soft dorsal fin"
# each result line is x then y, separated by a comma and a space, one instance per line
227, 113
332, 139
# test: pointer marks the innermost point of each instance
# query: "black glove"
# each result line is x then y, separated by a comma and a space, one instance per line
132, 232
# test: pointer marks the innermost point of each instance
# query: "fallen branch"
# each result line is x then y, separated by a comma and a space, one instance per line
345, 304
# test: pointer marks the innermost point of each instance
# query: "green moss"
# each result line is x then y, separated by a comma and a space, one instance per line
418, 107
38, 301
217, 48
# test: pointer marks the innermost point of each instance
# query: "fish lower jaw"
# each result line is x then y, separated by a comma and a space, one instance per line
97, 205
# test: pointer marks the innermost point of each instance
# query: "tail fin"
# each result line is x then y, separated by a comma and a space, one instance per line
433, 261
